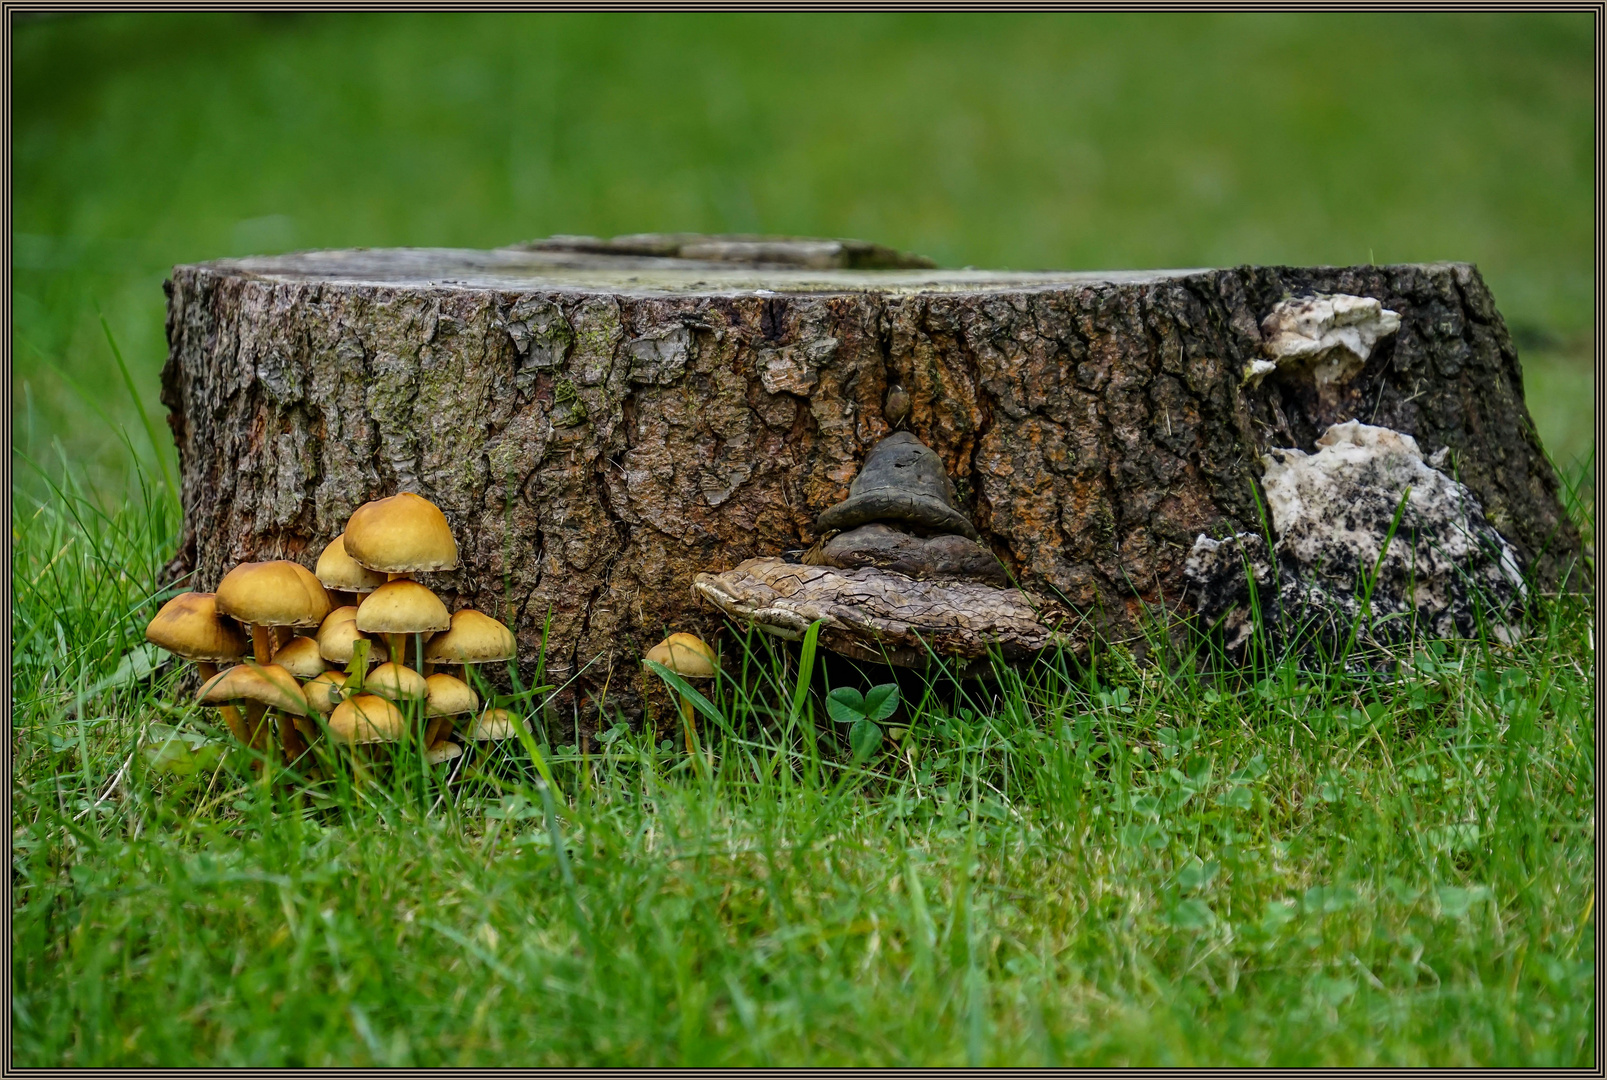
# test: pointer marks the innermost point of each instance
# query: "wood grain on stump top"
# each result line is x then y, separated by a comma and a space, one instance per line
599, 425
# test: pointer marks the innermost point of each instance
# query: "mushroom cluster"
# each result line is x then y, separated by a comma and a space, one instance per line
354, 644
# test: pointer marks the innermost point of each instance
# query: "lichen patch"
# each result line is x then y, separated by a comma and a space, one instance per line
1373, 546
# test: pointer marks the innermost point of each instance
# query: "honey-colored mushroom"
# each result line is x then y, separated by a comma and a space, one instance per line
404, 534
265, 689
190, 627
271, 594
401, 608
343, 575
690, 657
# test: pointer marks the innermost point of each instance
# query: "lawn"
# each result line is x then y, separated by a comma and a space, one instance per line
1071, 863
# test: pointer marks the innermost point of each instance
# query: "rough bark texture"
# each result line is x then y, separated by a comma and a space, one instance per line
600, 429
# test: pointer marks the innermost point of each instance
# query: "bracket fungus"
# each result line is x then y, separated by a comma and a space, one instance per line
1326, 336
902, 480
907, 579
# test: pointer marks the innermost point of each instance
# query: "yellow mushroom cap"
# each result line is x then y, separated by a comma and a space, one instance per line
475, 638
685, 654
367, 718
449, 696
189, 626
277, 593
299, 656
403, 534
395, 681
338, 570
270, 684
493, 724
325, 692
402, 607
339, 633
443, 751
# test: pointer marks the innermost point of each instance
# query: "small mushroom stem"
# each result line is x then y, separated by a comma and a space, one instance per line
257, 728
432, 731
397, 577
261, 644
688, 721
282, 636
290, 741
397, 645
231, 715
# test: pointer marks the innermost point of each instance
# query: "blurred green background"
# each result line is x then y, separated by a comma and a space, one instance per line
1021, 141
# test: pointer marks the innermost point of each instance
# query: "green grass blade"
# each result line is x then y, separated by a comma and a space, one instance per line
139, 404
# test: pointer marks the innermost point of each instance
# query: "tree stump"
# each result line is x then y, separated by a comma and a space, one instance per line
601, 421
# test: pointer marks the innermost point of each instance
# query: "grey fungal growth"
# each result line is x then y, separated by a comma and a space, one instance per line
1334, 518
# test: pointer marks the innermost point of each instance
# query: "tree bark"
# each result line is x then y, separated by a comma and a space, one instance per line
600, 427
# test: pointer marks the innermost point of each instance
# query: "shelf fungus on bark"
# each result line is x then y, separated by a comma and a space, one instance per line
1327, 337
884, 594
879, 615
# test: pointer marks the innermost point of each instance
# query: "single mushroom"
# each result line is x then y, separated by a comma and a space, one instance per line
474, 638
325, 692
690, 657
339, 637
443, 752
492, 725
403, 535
446, 697
271, 594
266, 689
366, 719
189, 627
345, 577
300, 657
400, 608
396, 683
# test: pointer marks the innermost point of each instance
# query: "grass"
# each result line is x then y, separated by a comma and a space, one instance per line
1075, 865
1069, 864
